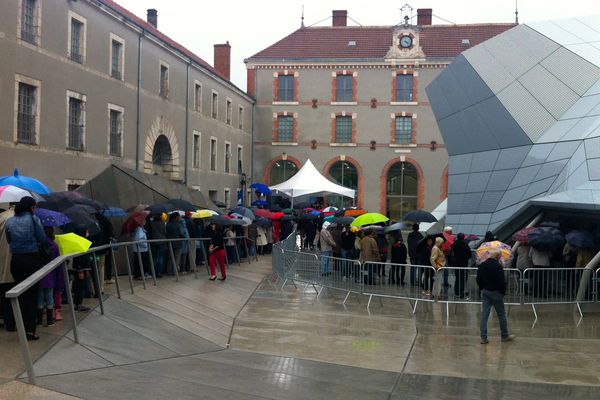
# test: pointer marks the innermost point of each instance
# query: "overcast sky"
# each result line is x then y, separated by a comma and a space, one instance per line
250, 26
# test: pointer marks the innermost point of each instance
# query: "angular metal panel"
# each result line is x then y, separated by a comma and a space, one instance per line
460, 164
526, 110
501, 179
553, 95
484, 161
524, 176
579, 177
594, 168
563, 150
558, 130
439, 103
455, 203
453, 133
574, 67
595, 89
538, 154
471, 202
551, 169
592, 147
467, 219
512, 157
457, 183
482, 219
450, 85
554, 32
583, 129
478, 181
478, 135
497, 118
538, 188
582, 107
511, 197
490, 201
469, 80
580, 29
495, 76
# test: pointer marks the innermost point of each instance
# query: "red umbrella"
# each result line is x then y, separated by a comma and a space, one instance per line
309, 209
522, 235
449, 241
136, 219
277, 215
263, 213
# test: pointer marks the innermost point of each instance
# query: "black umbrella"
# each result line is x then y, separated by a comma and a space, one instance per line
264, 222
342, 220
182, 205
302, 204
81, 220
419, 216
57, 201
161, 208
580, 239
96, 205
80, 208
276, 208
546, 239
307, 217
287, 218
220, 220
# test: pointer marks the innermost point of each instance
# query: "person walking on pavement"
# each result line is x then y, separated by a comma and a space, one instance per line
490, 279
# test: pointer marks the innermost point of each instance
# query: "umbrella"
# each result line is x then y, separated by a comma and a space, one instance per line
260, 188
330, 209
114, 212
419, 216
12, 194
81, 219
307, 217
289, 211
57, 201
70, 243
546, 239
236, 221
204, 214
260, 203
329, 218
369, 219
139, 207
580, 239
448, 241
483, 252
134, 220
301, 205
51, 218
220, 220
277, 215
25, 182
263, 213
80, 208
354, 212
398, 226
161, 208
378, 229
220, 204
183, 205
523, 235
287, 218
260, 221
315, 212
276, 208
342, 220
243, 211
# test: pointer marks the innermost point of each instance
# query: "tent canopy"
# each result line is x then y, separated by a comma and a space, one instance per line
310, 181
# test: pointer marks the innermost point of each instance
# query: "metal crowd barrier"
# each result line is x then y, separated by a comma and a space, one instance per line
113, 249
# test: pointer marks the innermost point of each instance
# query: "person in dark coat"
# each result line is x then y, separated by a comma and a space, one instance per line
311, 232
461, 254
423, 258
175, 230
398, 260
490, 279
413, 240
157, 231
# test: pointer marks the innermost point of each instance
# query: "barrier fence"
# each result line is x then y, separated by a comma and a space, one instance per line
422, 283
169, 248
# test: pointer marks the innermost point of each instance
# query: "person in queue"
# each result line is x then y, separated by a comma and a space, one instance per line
24, 232
216, 252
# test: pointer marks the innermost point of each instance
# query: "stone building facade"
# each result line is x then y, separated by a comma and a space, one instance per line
86, 84
353, 100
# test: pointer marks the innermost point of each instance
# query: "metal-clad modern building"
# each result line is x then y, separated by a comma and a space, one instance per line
520, 116
86, 84
352, 100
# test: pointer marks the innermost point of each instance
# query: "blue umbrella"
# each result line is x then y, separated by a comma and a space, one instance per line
114, 212
260, 203
25, 182
51, 218
546, 239
261, 188
419, 216
580, 239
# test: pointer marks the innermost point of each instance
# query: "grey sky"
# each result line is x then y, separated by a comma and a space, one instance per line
251, 26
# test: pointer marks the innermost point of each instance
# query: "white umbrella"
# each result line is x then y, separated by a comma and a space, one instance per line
12, 194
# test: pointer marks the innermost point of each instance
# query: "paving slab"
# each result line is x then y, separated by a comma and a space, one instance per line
21, 391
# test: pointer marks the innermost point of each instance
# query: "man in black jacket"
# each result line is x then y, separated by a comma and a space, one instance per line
490, 279
461, 254
412, 240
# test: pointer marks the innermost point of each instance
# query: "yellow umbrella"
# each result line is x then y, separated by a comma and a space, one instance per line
70, 243
483, 252
204, 214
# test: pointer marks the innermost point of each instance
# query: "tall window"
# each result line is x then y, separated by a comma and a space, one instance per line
76, 124
241, 117
227, 198
345, 174
404, 132
116, 133
116, 65
228, 112
196, 145
240, 164
198, 97
401, 190
214, 105
404, 88
285, 88
343, 129
29, 21
77, 40
164, 81
227, 157
282, 171
26, 113
285, 128
343, 88
213, 154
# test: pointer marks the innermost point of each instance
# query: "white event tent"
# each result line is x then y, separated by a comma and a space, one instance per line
310, 181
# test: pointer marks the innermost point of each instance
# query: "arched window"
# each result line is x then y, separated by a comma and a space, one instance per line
345, 174
281, 171
162, 156
402, 190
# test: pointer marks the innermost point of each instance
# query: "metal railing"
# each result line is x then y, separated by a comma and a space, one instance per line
113, 251
422, 283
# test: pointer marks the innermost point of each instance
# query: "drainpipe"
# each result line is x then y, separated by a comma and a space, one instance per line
139, 104
187, 121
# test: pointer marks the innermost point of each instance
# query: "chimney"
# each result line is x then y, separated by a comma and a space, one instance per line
222, 59
339, 17
424, 16
152, 17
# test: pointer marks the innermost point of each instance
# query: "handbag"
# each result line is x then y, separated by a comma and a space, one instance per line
43, 247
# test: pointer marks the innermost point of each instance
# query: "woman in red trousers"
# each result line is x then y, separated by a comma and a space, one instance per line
217, 252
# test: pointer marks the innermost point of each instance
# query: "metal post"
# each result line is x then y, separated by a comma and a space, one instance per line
151, 263
246, 248
237, 253
100, 300
204, 255
175, 266
70, 300
23, 339
192, 256
128, 264
142, 272
115, 273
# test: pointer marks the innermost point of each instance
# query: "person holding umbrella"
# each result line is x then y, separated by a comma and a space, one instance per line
216, 252
24, 233
175, 230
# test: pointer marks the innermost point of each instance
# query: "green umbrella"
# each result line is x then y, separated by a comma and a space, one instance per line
369, 219
288, 211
